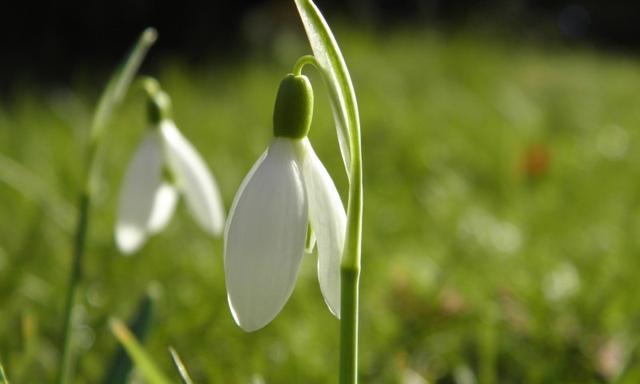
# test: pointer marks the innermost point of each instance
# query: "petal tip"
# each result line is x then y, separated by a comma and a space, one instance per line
244, 322
129, 239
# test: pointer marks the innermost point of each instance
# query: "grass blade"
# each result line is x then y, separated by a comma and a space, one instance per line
184, 375
119, 82
142, 361
121, 364
3, 377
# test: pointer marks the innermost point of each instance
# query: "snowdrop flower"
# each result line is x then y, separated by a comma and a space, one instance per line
164, 166
287, 189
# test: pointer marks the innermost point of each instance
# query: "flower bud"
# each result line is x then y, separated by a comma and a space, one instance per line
294, 107
158, 102
158, 107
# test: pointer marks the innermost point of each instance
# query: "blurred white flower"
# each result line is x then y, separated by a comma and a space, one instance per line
287, 188
165, 165
562, 282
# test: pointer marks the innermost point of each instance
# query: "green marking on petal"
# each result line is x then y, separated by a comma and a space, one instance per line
168, 176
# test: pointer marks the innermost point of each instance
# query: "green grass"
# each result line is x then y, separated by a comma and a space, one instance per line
475, 262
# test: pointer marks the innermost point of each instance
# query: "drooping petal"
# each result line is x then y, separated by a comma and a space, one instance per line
265, 237
141, 181
164, 204
194, 180
328, 221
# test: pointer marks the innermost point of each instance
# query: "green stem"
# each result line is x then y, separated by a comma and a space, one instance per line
304, 60
351, 258
111, 97
350, 267
349, 325
74, 281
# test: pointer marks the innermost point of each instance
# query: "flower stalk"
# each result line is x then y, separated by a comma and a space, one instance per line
111, 98
329, 60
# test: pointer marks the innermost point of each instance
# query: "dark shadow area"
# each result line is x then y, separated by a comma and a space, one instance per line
45, 42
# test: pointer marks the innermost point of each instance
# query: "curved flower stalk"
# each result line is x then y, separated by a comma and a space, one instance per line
287, 189
164, 166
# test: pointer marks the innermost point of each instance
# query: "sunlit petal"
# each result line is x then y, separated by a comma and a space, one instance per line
194, 180
328, 220
164, 204
265, 237
141, 181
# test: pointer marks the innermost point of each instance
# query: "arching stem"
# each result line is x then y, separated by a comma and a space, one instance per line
304, 60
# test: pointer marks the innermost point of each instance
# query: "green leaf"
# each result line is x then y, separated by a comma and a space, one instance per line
336, 75
182, 370
119, 83
143, 362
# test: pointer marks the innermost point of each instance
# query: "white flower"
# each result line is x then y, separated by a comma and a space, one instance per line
286, 189
164, 165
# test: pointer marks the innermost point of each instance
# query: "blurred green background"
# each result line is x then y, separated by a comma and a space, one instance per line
501, 233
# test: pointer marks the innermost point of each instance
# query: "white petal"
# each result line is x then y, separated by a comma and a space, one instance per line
265, 237
194, 180
142, 179
164, 204
328, 221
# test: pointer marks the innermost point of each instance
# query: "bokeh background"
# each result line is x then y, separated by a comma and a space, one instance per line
502, 201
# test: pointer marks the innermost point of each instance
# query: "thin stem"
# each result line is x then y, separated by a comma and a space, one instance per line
336, 74
351, 261
111, 97
74, 281
304, 60
349, 325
